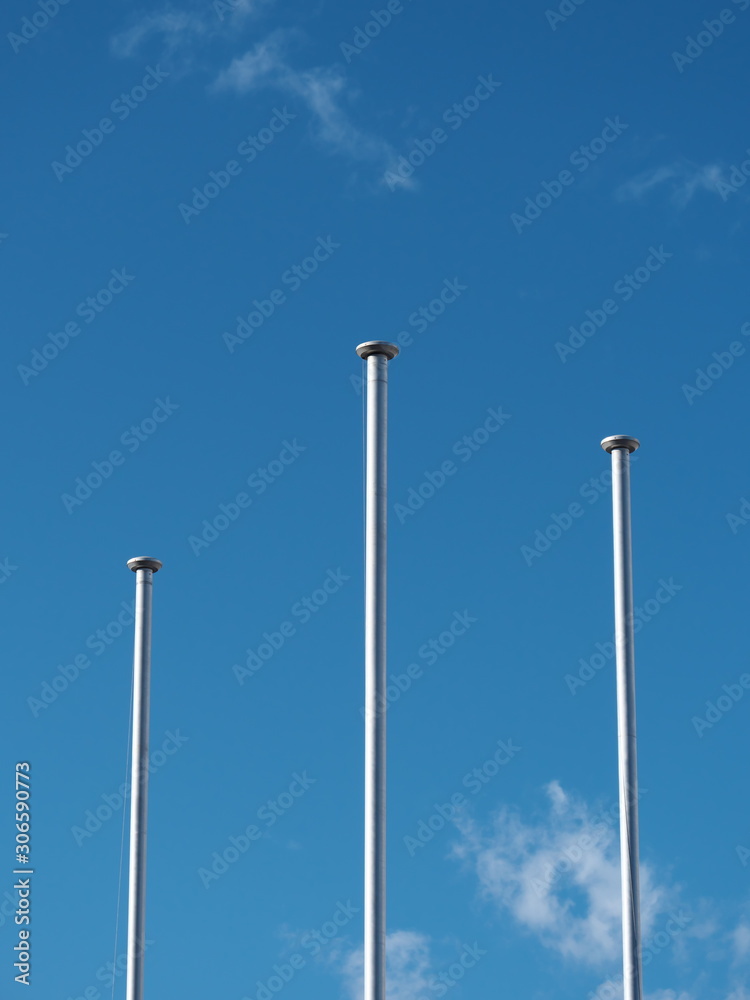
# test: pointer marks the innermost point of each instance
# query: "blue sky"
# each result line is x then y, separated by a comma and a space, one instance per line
207, 207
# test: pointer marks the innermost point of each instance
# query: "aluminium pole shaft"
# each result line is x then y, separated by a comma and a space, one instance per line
620, 447
377, 355
144, 568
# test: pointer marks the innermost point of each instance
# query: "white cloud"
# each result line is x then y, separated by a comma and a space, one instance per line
610, 990
409, 968
684, 179
255, 67
559, 877
740, 993
172, 26
741, 941
324, 90
178, 30
640, 185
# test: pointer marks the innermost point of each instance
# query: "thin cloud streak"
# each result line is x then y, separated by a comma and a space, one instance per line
322, 89
174, 27
684, 179
180, 31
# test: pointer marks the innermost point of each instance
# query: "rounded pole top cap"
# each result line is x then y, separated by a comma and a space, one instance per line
144, 562
377, 347
621, 441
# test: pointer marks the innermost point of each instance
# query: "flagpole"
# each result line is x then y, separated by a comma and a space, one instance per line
144, 569
620, 447
377, 354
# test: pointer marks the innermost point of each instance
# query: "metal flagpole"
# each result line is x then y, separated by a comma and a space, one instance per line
144, 568
620, 447
377, 355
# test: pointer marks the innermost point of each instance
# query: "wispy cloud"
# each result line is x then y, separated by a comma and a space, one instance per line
178, 36
741, 941
409, 972
257, 66
559, 878
176, 32
739, 993
324, 90
684, 180
668, 995
173, 27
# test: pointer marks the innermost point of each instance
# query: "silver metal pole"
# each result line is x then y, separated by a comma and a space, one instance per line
144, 569
378, 354
620, 447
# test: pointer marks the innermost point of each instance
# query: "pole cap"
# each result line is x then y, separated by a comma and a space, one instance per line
144, 562
377, 347
620, 441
